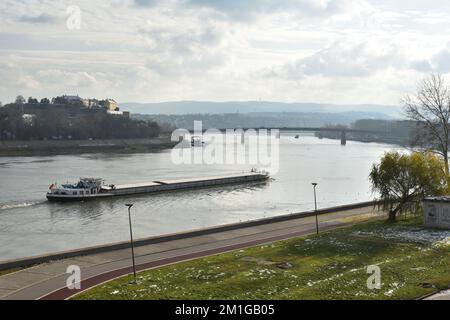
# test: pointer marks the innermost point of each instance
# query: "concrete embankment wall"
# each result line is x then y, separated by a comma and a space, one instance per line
18, 263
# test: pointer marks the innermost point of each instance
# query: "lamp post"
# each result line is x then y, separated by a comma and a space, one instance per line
131, 237
315, 207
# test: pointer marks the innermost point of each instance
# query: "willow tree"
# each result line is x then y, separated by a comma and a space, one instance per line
430, 107
403, 180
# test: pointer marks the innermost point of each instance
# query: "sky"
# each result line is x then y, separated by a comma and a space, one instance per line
325, 51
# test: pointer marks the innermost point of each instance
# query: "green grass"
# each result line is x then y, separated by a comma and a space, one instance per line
330, 266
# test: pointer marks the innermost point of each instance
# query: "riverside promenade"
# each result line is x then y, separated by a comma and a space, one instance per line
443, 295
47, 279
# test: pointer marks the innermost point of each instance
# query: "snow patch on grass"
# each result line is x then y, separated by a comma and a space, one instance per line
442, 243
425, 236
392, 288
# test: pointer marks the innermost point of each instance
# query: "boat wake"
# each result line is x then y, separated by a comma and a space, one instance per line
9, 206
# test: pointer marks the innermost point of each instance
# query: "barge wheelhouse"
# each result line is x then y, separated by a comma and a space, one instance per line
85, 188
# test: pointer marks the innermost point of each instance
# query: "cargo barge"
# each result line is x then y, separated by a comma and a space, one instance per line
94, 188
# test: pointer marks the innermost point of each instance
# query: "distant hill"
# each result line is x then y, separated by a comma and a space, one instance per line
260, 119
204, 107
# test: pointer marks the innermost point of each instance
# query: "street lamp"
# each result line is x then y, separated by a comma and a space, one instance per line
315, 207
129, 205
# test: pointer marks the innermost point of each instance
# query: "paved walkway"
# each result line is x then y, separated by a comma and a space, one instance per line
443, 295
48, 280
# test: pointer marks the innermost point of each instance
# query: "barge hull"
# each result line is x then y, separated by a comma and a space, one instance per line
164, 186
183, 185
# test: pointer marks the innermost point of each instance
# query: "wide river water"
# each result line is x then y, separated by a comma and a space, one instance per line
29, 225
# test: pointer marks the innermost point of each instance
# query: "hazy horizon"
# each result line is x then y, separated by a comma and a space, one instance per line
243, 107
263, 101
39, 97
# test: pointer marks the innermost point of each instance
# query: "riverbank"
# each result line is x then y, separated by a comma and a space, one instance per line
334, 265
60, 147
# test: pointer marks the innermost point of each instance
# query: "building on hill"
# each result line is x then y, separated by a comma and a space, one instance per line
109, 105
92, 103
73, 99
74, 106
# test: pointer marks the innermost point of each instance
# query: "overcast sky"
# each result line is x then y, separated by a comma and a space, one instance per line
336, 51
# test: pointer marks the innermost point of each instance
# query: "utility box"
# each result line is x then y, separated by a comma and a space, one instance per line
437, 212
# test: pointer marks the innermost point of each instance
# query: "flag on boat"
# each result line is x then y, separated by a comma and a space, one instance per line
51, 186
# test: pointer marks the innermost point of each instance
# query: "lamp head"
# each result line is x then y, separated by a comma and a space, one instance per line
314, 184
129, 205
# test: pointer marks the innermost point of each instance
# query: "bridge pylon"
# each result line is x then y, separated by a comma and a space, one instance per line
343, 138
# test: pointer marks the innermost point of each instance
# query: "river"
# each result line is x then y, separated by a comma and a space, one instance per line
29, 225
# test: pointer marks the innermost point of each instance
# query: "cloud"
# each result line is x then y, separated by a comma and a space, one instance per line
241, 9
146, 3
71, 79
438, 62
441, 61
28, 82
247, 9
342, 59
421, 65
39, 19
174, 51
182, 41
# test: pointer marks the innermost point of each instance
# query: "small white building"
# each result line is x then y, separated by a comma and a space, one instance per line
115, 113
28, 119
437, 212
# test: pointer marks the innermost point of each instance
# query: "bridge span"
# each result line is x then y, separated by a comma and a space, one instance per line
342, 131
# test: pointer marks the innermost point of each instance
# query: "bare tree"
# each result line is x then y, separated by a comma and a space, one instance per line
430, 107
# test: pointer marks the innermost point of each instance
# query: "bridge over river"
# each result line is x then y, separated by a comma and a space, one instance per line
342, 131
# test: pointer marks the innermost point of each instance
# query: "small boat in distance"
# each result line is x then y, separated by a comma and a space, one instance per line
197, 141
94, 188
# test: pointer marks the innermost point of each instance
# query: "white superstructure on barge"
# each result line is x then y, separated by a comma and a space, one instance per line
93, 188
